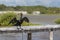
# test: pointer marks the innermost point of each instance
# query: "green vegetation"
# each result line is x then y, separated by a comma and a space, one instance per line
29, 9
57, 21
29, 24
5, 19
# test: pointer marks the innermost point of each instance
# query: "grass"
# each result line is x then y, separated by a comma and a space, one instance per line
29, 24
24, 24
57, 21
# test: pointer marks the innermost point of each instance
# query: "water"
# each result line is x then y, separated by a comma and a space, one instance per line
12, 36
35, 36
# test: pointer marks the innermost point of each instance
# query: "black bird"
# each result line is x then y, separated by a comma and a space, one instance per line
19, 22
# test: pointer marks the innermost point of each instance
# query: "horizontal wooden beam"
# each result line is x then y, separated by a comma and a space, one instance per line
30, 30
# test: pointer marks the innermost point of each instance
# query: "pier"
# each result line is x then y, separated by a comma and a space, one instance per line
31, 29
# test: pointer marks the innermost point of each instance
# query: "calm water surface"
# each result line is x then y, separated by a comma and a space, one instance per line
35, 36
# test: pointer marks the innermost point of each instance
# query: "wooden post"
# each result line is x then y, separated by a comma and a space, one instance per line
29, 36
51, 34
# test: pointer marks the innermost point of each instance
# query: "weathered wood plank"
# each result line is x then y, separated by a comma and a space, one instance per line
30, 28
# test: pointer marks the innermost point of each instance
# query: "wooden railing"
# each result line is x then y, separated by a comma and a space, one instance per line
30, 29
